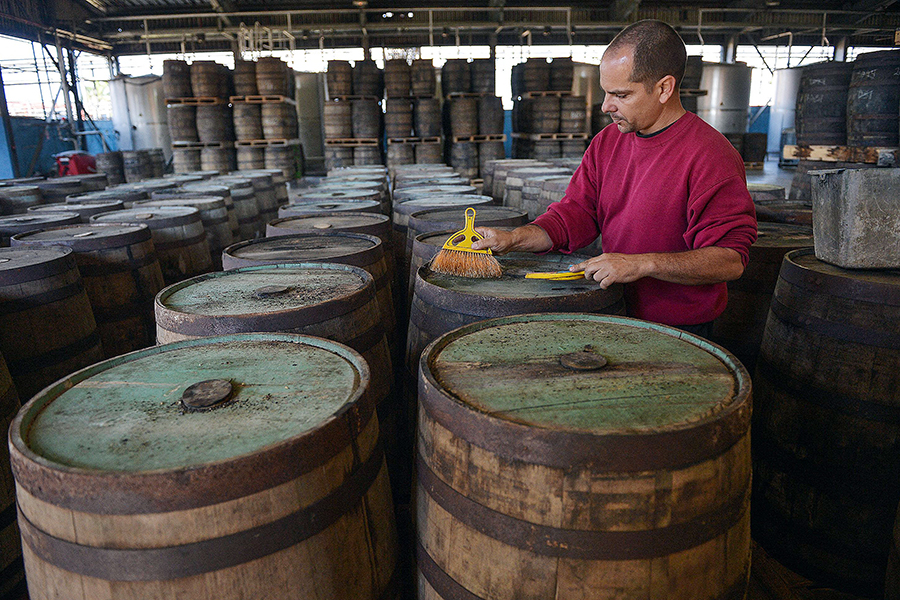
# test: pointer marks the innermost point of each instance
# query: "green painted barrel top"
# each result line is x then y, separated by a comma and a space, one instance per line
244, 291
125, 414
513, 283
511, 369
772, 235
304, 248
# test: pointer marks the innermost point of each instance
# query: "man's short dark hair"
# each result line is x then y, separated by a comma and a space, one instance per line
658, 51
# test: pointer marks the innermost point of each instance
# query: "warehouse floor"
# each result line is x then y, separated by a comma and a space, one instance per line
771, 173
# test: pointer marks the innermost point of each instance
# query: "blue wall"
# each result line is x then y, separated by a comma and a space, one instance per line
28, 131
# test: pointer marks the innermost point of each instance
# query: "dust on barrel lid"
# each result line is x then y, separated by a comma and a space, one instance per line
217, 416
86, 237
312, 246
566, 390
279, 297
333, 221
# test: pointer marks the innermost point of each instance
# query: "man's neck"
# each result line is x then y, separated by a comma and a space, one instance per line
666, 118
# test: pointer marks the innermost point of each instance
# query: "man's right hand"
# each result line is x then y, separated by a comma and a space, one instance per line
528, 238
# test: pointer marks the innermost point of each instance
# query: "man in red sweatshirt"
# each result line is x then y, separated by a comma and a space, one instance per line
667, 192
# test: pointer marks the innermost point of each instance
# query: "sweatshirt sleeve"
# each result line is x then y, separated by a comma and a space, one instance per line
722, 215
572, 223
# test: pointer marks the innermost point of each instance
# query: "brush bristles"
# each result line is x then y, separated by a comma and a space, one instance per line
466, 264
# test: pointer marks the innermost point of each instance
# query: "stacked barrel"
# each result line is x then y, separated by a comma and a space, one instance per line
265, 117
473, 115
352, 114
199, 115
412, 120
548, 121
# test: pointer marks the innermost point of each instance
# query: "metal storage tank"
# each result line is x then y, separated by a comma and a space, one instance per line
309, 95
727, 104
784, 106
139, 113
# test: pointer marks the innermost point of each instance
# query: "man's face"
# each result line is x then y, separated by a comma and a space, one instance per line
631, 106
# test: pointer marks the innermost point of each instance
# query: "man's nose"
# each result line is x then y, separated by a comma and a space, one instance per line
607, 105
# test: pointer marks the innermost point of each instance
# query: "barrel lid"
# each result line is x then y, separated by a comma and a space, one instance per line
345, 194
304, 247
83, 237
201, 202
526, 172
263, 289
211, 187
592, 374
182, 178
109, 194
513, 284
485, 213
443, 200
233, 182
304, 207
125, 416
89, 203
882, 286
19, 190
149, 215
35, 220
28, 263
422, 190
774, 235
331, 221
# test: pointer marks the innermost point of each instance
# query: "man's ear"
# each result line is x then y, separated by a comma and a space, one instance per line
666, 87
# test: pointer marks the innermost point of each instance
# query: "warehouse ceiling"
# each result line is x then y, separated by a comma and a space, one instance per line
162, 26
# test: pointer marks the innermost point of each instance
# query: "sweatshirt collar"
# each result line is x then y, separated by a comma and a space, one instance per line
667, 133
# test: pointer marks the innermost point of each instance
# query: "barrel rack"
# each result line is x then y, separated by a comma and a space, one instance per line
197, 101
881, 156
263, 99
225, 144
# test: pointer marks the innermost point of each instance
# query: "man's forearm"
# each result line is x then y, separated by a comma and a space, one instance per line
695, 267
528, 238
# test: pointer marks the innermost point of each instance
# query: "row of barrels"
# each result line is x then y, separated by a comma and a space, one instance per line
402, 78
363, 78
460, 76
288, 159
854, 104
207, 123
538, 75
129, 166
524, 148
467, 117
208, 79
550, 114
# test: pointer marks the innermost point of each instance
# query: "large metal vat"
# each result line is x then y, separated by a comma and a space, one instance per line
784, 106
727, 103
139, 113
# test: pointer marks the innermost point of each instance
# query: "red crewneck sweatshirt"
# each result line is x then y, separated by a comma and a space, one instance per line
681, 189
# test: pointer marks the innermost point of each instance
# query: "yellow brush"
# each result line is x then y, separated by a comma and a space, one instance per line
457, 257
557, 276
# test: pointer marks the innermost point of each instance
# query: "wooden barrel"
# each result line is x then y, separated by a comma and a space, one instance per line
740, 328
536, 75
422, 77
344, 191
366, 115
367, 79
398, 118
872, 100
455, 77
176, 79
400, 154
573, 115
341, 247
515, 181
464, 159
215, 123
791, 212
556, 458
121, 275
157, 162
272, 76
213, 214
246, 208
85, 210
339, 78
482, 76
249, 157
562, 72
353, 222
463, 117
263, 189
427, 116
56, 190
337, 120
545, 115
153, 473
182, 120
495, 178
110, 163
367, 155
397, 78
245, 78
489, 151
490, 115
186, 160
137, 165
204, 190
48, 328
427, 177
821, 117
279, 121
338, 156
533, 202
312, 208
429, 153
178, 238
15, 224
546, 149
516, 82
217, 159
247, 121
17, 199
287, 159
12, 585
424, 191
207, 80
826, 426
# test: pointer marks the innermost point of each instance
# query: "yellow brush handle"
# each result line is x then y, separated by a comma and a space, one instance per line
468, 235
558, 276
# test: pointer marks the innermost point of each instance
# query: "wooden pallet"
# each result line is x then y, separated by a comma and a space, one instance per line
351, 142
452, 95
203, 144
265, 143
411, 96
754, 166
883, 157
492, 137
414, 140
693, 93
344, 98
550, 136
197, 101
551, 93
476, 182
263, 99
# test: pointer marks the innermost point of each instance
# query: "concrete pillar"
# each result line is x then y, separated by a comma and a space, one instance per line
840, 49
